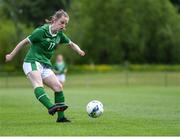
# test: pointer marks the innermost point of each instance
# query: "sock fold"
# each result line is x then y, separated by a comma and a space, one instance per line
42, 97
59, 98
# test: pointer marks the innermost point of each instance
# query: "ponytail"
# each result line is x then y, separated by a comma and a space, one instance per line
58, 14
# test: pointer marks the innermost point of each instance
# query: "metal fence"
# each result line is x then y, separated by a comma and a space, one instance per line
12, 80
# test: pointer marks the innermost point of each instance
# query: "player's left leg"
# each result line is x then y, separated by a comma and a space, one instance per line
62, 78
52, 82
59, 77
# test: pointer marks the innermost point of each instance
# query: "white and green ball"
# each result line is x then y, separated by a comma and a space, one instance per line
94, 108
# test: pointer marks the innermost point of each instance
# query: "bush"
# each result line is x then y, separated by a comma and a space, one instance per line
121, 68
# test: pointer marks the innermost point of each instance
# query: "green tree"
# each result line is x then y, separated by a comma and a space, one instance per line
176, 3
33, 12
136, 31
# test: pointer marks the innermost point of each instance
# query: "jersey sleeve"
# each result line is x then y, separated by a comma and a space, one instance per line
36, 36
64, 39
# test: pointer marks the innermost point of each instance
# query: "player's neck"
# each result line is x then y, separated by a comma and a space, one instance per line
52, 30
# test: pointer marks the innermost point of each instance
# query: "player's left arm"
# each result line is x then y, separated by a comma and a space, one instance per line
76, 48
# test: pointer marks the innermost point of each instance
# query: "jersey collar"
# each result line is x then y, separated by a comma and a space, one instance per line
53, 35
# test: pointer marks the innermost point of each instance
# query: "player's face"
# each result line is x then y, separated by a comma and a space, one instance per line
61, 23
59, 58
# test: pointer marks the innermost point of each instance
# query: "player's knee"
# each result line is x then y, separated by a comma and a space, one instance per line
58, 87
37, 84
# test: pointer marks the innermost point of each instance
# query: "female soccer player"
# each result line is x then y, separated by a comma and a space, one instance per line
37, 66
60, 69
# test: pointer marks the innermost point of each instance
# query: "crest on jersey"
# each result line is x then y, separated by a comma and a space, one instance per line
57, 40
48, 39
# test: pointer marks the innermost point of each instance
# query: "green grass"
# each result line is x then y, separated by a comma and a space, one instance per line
133, 110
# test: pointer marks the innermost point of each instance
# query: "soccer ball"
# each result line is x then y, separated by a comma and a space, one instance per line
94, 108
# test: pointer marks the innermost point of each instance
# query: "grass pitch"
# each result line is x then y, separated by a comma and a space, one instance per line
133, 110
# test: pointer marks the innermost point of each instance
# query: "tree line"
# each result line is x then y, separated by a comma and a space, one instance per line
110, 31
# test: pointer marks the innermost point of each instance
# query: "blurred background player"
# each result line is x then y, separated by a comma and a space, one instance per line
60, 69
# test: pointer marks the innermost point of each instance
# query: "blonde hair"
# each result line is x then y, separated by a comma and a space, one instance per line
57, 15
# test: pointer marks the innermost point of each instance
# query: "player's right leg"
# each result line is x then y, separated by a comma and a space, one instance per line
33, 73
51, 81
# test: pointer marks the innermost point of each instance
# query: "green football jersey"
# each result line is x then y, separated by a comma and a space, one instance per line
43, 44
59, 68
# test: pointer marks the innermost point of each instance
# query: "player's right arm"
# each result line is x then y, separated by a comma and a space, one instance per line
19, 46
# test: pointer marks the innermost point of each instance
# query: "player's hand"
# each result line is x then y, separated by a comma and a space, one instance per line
81, 52
9, 57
